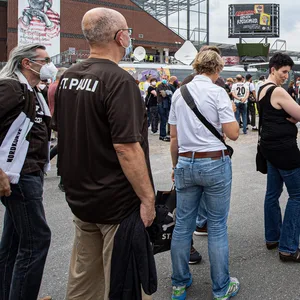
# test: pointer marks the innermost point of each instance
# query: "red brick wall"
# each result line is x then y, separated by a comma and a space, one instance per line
72, 11
12, 23
3, 32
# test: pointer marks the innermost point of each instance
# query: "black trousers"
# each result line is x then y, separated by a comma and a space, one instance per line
251, 113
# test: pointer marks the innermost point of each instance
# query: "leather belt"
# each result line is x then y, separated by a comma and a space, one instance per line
211, 154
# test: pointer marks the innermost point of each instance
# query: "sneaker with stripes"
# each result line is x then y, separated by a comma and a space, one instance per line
233, 289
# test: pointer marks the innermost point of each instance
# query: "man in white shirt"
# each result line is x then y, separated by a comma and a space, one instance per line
260, 82
240, 93
251, 111
202, 166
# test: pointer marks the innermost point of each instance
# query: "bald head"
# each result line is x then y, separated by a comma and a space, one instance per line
239, 77
99, 25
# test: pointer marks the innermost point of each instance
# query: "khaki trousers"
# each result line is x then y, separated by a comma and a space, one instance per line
89, 274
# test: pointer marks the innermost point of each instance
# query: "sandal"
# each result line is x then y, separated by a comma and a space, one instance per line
295, 257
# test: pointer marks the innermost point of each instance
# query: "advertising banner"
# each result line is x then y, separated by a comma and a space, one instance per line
252, 17
231, 60
257, 19
39, 22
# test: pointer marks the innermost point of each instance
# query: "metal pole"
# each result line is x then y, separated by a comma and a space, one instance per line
178, 21
167, 13
199, 26
188, 21
207, 22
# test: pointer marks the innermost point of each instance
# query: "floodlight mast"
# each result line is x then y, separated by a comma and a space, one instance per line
192, 22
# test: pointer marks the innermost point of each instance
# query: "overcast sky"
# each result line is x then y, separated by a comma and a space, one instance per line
289, 22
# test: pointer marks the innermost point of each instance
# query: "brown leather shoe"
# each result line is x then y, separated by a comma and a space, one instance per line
46, 298
295, 257
272, 245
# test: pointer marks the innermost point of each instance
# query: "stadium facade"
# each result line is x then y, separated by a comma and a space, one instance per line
156, 27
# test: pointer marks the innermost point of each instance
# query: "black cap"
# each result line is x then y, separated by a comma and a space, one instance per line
248, 76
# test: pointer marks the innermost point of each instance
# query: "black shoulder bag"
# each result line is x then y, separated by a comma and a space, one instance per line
191, 103
261, 162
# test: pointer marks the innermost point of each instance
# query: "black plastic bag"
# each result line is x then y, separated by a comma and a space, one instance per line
161, 230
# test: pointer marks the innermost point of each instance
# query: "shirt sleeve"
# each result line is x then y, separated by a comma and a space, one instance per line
126, 113
251, 87
10, 97
233, 89
224, 107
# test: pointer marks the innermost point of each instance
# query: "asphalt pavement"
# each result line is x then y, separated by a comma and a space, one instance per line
261, 274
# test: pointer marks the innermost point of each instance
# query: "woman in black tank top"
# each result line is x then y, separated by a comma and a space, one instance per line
278, 130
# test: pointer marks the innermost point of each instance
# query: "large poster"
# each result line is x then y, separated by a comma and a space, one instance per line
257, 19
252, 17
39, 22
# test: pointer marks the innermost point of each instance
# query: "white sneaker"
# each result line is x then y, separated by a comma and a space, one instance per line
233, 289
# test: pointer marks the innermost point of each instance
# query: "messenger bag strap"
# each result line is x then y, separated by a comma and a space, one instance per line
191, 103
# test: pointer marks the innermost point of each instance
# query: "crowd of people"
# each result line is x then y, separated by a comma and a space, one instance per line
99, 113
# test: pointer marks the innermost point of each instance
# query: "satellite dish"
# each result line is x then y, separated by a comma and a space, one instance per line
187, 53
139, 53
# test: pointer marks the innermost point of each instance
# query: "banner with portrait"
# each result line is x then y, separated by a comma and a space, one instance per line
39, 22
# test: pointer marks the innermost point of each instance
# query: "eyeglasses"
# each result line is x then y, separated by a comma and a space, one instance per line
128, 29
46, 59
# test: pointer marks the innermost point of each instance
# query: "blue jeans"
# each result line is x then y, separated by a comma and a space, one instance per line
164, 114
286, 232
25, 240
193, 177
202, 213
241, 109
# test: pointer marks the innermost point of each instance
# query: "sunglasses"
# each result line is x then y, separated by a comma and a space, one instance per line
46, 59
128, 29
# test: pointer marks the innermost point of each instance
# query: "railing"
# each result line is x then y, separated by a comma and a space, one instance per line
70, 57
67, 58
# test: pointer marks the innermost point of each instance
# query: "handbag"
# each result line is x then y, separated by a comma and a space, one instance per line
191, 103
161, 230
261, 162
251, 98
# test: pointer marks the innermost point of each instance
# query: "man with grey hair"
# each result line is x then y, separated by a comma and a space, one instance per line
24, 140
101, 116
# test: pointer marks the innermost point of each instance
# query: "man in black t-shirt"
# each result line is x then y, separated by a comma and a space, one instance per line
164, 95
103, 151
